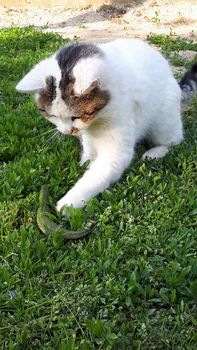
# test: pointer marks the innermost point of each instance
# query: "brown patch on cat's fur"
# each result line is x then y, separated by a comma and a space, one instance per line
46, 96
66, 87
87, 104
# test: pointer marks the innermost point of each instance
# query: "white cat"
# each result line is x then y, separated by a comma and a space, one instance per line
111, 96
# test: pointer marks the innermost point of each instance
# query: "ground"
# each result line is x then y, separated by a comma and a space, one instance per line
109, 21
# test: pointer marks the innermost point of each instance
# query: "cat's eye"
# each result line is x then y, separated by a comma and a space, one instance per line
45, 113
74, 118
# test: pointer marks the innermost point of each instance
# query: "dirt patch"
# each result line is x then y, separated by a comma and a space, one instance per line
107, 22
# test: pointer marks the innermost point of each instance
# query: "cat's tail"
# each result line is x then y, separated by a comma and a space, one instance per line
188, 85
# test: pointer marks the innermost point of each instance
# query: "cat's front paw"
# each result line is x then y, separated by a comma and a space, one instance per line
84, 160
61, 208
67, 201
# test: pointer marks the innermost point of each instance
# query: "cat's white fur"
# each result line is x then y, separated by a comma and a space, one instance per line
145, 103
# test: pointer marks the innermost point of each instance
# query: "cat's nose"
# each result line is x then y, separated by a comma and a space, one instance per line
74, 131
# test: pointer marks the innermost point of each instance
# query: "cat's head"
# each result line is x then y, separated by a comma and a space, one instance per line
69, 87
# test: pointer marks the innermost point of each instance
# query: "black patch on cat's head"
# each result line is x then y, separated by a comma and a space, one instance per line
93, 99
69, 56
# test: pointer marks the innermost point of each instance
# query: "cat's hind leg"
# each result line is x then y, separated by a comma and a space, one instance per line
156, 152
167, 131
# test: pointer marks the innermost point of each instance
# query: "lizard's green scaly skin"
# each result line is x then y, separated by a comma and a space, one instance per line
47, 226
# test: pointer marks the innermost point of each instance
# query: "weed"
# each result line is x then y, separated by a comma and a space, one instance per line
132, 284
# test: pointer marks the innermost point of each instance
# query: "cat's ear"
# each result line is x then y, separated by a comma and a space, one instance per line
32, 82
36, 79
95, 84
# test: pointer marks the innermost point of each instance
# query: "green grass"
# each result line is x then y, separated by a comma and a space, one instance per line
131, 284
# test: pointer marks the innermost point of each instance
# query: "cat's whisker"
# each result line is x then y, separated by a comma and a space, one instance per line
47, 132
50, 139
61, 136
